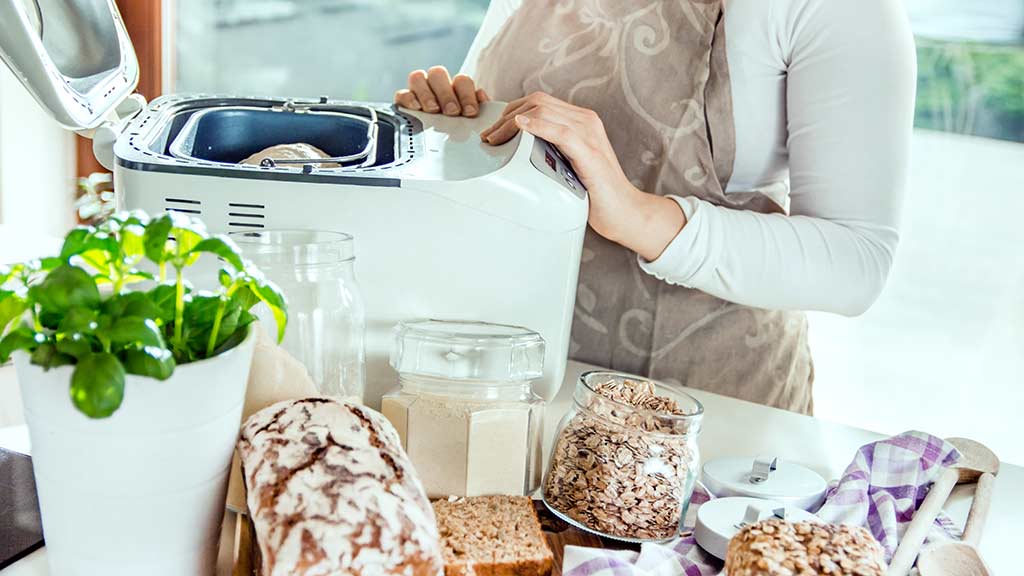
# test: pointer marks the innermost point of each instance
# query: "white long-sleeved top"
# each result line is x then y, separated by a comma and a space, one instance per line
823, 104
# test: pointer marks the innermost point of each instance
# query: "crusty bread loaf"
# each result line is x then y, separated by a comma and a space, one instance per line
275, 376
331, 492
776, 547
492, 536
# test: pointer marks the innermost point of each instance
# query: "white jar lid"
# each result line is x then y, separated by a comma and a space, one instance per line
765, 477
468, 351
720, 519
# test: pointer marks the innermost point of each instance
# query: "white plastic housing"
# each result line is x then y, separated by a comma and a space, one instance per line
473, 232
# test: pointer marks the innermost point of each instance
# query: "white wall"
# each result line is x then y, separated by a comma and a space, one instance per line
943, 348
37, 163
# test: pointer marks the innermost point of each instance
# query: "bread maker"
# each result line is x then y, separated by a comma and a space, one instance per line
445, 226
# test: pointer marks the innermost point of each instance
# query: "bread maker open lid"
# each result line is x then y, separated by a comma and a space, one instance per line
73, 56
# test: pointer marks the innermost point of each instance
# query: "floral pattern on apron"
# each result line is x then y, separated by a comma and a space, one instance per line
656, 73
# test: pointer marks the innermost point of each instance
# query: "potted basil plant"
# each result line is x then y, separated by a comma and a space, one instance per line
133, 384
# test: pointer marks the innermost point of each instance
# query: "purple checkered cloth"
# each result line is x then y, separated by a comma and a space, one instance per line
880, 490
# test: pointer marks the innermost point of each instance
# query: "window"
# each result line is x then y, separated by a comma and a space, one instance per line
941, 350
349, 49
970, 66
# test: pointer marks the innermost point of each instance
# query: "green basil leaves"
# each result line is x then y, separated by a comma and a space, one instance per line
115, 301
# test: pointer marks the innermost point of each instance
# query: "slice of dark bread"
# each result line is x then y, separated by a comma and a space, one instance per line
492, 536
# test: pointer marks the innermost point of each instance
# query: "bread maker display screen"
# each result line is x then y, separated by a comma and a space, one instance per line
549, 160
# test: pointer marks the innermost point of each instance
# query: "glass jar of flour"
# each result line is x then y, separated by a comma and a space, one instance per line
464, 407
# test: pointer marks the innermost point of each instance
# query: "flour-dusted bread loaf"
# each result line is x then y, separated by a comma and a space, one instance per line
492, 536
275, 376
331, 492
776, 547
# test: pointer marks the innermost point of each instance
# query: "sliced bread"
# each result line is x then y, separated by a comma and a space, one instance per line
492, 536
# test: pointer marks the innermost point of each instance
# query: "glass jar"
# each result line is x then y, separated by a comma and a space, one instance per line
625, 458
465, 408
326, 318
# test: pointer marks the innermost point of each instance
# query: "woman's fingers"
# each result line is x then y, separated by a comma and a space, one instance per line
520, 105
564, 136
537, 100
434, 91
406, 99
420, 88
502, 131
465, 91
507, 127
505, 124
441, 84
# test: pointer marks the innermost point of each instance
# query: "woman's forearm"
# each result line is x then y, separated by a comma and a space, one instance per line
648, 224
619, 211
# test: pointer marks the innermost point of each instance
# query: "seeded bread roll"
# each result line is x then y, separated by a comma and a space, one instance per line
492, 536
775, 547
331, 492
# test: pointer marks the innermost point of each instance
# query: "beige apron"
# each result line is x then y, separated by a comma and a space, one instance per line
656, 73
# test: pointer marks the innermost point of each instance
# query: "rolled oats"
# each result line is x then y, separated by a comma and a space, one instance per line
775, 547
621, 471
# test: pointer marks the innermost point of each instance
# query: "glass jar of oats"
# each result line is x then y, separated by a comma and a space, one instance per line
625, 458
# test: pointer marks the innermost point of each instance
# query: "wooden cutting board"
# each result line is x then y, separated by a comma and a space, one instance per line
561, 534
558, 533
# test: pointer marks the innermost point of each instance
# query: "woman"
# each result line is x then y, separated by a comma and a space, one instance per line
752, 154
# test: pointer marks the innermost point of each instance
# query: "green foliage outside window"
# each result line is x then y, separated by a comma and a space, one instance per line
971, 88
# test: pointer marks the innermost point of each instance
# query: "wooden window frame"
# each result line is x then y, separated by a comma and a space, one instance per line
144, 21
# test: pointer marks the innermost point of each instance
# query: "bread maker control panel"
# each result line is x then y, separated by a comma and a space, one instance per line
550, 161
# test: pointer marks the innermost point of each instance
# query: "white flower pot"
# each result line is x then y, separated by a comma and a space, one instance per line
141, 492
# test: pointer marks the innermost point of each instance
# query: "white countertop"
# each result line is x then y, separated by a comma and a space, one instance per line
734, 428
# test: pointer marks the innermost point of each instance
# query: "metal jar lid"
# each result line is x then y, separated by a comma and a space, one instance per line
766, 477
467, 351
720, 519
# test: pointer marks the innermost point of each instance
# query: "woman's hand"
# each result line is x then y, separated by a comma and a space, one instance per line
434, 91
619, 211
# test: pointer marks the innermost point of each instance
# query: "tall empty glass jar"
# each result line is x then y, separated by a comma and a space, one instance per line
316, 272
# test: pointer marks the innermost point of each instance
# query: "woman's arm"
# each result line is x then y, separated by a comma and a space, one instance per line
620, 212
851, 82
850, 105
